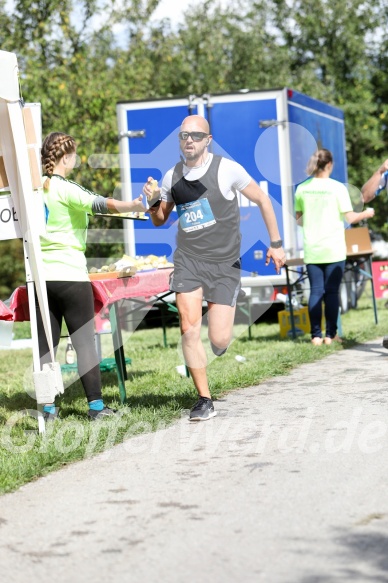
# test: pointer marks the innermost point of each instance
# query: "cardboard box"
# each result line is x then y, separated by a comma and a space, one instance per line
358, 242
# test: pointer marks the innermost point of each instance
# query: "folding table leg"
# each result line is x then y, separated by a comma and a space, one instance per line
97, 342
369, 275
291, 309
373, 289
248, 313
163, 309
118, 350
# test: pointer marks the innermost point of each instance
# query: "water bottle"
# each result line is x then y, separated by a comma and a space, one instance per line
70, 352
295, 301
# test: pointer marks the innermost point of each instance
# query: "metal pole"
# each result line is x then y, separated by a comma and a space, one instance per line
373, 288
291, 309
125, 173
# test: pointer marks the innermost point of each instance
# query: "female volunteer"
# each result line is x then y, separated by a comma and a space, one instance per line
321, 204
69, 290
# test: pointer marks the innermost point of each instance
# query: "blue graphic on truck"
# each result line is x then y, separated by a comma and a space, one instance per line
272, 134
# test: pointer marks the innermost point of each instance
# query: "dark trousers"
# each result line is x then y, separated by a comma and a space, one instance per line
73, 302
325, 280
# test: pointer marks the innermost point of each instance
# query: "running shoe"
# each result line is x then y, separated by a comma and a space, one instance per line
105, 412
48, 417
202, 410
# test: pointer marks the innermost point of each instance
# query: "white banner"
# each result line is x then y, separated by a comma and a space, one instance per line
9, 78
14, 130
9, 223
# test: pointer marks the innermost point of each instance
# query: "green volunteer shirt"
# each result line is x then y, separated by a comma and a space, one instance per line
63, 247
323, 202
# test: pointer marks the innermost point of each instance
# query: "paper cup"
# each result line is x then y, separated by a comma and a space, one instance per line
181, 369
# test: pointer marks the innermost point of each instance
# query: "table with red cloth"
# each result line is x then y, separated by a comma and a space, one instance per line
145, 288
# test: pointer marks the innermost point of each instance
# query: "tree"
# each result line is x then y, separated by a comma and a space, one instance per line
333, 58
11, 266
71, 63
79, 59
231, 49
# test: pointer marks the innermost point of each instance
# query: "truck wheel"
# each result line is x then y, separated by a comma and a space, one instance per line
343, 298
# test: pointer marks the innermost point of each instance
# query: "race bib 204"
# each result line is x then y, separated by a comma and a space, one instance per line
195, 215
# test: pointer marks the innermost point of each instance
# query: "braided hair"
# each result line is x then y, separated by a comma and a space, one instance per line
55, 146
318, 161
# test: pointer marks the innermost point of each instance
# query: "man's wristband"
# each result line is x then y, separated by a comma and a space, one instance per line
156, 204
276, 244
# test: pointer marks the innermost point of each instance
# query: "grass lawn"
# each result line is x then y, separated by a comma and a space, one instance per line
157, 394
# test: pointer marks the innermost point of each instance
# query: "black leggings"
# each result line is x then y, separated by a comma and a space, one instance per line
73, 301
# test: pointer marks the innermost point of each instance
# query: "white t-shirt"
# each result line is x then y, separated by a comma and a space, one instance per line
231, 175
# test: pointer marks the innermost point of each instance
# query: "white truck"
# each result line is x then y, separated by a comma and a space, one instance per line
271, 133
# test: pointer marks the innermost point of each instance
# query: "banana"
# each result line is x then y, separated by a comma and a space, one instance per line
154, 186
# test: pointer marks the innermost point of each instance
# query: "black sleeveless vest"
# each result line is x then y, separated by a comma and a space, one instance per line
220, 241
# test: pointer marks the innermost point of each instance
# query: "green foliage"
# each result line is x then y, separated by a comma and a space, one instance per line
11, 266
330, 60
79, 59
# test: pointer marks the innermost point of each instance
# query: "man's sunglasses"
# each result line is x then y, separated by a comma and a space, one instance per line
195, 136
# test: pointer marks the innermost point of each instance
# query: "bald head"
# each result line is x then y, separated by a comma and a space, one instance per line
195, 123
194, 148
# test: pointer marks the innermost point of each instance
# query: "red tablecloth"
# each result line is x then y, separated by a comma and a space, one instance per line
107, 291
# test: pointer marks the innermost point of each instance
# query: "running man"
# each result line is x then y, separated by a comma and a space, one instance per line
203, 187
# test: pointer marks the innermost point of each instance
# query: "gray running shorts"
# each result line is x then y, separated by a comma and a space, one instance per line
220, 282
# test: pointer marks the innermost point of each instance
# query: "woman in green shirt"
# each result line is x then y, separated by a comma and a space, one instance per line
69, 289
321, 205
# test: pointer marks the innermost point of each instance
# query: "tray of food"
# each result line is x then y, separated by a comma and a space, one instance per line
128, 266
125, 272
134, 216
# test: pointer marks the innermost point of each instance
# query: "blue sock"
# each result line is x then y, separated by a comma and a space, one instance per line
96, 405
49, 409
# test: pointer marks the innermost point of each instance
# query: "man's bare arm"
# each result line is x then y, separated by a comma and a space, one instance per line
159, 214
368, 191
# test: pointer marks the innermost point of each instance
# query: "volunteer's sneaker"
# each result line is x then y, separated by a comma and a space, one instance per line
202, 410
105, 412
385, 341
48, 417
